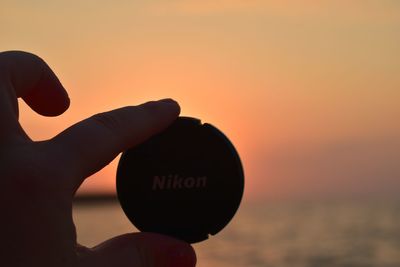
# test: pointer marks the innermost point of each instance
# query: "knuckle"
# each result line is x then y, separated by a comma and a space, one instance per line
16, 63
8, 58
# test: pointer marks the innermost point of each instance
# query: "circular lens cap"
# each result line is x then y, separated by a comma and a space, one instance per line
186, 182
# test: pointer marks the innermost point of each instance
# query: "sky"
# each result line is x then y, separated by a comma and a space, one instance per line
307, 91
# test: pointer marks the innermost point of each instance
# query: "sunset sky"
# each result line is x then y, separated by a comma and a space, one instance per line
308, 91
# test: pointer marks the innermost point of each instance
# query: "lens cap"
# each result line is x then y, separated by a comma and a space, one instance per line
186, 182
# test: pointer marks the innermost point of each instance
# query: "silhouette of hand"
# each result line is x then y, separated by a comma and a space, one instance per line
38, 180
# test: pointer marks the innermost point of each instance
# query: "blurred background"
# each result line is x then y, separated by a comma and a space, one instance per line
308, 92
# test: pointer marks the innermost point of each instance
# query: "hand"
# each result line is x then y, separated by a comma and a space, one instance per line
38, 180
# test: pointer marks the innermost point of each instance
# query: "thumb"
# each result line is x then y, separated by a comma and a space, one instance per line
140, 250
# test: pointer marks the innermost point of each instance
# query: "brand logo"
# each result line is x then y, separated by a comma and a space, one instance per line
170, 182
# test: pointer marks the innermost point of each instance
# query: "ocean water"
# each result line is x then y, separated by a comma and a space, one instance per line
279, 234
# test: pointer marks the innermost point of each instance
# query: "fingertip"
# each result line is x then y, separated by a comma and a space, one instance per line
172, 252
144, 249
48, 98
182, 255
34, 81
166, 105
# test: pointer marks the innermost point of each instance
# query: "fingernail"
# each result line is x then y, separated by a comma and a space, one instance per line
162, 103
165, 105
182, 257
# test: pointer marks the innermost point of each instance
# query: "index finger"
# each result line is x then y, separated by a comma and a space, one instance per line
28, 76
91, 144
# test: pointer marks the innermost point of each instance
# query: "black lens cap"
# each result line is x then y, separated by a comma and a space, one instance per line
186, 182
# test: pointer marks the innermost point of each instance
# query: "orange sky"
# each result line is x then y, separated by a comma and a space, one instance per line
308, 92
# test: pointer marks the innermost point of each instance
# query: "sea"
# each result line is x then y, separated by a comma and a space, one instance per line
330, 233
